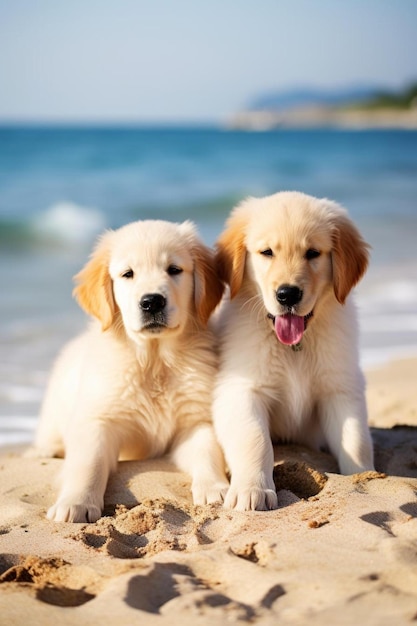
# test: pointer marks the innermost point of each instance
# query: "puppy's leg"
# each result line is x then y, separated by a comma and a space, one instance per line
58, 403
198, 453
241, 424
345, 426
48, 442
91, 454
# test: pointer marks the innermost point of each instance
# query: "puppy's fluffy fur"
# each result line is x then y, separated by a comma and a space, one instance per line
139, 382
289, 364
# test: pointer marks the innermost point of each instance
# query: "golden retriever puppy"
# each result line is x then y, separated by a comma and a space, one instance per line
289, 341
139, 382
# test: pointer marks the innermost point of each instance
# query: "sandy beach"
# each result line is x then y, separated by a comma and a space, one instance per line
339, 550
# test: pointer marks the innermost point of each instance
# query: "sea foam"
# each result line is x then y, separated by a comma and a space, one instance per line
67, 222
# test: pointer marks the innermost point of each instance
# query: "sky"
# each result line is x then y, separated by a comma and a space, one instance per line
192, 60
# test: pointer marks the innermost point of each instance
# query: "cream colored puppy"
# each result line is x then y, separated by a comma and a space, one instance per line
139, 382
289, 341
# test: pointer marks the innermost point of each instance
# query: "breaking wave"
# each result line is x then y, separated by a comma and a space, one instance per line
62, 224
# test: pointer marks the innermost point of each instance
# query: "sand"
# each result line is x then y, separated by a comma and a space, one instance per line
339, 550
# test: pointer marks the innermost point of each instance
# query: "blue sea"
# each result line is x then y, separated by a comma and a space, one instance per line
60, 187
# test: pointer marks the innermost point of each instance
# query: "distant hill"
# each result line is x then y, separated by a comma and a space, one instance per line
307, 97
350, 107
385, 99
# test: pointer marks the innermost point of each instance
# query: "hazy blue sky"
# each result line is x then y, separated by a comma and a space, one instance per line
192, 59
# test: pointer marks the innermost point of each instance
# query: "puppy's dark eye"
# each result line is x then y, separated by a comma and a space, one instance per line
174, 270
127, 274
312, 253
267, 252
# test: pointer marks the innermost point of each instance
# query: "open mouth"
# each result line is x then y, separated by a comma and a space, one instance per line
289, 328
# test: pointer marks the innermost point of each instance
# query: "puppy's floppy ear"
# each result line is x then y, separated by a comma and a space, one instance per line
208, 287
231, 251
94, 291
350, 257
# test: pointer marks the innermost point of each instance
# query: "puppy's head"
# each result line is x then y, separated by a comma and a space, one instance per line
292, 250
155, 277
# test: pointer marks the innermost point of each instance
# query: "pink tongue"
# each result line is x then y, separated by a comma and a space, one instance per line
289, 328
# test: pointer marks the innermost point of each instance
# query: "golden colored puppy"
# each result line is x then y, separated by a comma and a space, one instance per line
289, 341
139, 382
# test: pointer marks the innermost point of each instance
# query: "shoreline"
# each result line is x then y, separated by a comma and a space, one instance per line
392, 394
323, 117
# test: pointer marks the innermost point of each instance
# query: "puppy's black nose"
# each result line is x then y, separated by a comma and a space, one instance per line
152, 303
289, 295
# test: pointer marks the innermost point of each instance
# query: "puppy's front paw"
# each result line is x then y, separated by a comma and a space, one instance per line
251, 499
65, 510
208, 493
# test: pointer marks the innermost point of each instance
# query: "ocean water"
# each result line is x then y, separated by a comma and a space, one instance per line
60, 187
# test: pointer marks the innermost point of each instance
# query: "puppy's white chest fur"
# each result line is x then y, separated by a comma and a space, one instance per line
292, 396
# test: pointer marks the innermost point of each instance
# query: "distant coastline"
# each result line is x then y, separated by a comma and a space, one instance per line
323, 117
347, 108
